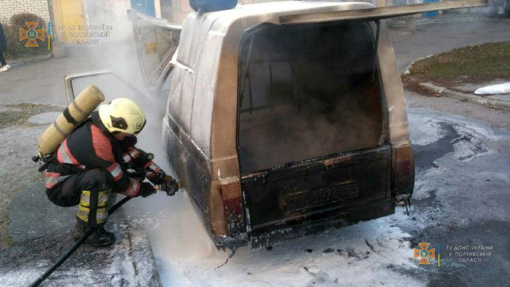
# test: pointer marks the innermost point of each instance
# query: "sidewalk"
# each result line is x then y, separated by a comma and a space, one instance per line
465, 92
29, 59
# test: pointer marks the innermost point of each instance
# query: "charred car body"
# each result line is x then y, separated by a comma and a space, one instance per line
285, 118
278, 131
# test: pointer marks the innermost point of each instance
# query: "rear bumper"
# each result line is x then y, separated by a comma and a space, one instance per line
309, 226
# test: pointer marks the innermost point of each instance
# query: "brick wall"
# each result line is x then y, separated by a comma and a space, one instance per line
11, 7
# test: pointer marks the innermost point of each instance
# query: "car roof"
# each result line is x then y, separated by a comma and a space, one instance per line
272, 10
198, 27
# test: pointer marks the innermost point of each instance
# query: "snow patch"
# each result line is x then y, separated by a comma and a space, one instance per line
494, 89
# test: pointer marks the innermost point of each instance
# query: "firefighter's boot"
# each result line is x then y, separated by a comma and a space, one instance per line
100, 238
93, 213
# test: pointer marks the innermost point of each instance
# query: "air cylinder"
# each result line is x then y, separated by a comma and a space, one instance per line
79, 110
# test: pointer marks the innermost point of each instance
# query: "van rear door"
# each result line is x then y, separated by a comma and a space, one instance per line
312, 133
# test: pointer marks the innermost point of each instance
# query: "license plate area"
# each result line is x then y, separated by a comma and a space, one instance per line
298, 201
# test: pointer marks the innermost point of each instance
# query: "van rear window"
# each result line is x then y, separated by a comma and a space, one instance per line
307, 91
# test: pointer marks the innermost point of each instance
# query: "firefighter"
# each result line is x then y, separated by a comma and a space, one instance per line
93, 161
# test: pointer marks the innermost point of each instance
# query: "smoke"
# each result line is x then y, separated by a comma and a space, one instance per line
293, 134
109, 16
308, 93
106, 38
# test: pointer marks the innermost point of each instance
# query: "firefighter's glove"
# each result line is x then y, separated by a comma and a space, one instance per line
146, 189
161, 177
170, 186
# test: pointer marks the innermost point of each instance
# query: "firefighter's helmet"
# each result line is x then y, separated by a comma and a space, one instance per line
122, 115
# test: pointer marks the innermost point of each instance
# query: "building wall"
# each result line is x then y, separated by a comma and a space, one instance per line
179, 11
12, 7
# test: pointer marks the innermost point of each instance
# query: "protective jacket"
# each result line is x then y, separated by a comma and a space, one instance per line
91, 146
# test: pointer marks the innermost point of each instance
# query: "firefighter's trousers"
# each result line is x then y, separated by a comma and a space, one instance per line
90, 190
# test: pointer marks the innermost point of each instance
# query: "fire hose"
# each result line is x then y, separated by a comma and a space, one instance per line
88, 234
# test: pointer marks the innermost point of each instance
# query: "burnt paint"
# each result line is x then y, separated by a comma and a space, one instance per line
233, 207
320, 222
364, 177
403, 173
191, 172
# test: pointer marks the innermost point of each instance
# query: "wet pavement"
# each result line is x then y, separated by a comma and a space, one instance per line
460, 198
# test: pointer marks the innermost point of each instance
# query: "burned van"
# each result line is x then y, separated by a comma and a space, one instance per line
282, 122
286, 118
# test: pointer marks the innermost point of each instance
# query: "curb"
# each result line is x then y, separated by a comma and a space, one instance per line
34, 60
410, 66
495, 104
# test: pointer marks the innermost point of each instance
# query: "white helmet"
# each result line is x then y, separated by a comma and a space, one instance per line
122, 115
